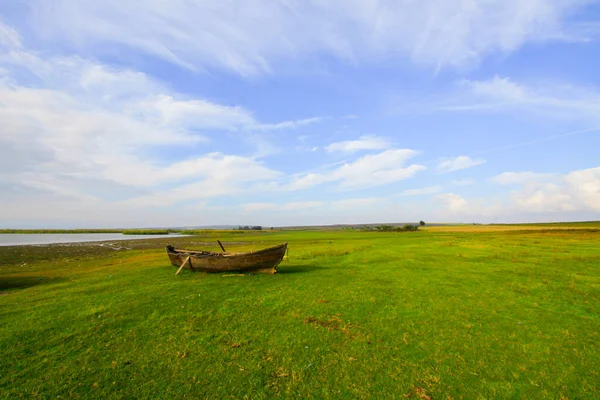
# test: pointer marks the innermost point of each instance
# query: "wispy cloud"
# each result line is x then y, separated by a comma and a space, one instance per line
285, 124
519, 178
251, 37
502, 94
370, 170
539, 140
422, 191
363, 143
458, 163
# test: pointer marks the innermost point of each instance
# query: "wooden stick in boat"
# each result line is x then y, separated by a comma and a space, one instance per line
187, 260
223, 248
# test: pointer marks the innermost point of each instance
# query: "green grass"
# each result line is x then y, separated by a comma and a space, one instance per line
351, 314
214, 232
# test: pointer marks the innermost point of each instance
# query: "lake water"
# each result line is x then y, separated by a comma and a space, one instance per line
9, 239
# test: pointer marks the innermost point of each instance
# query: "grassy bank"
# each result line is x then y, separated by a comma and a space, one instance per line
351, 314
147, 231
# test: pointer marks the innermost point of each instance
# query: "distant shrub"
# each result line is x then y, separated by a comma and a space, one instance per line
409, 228
390, 228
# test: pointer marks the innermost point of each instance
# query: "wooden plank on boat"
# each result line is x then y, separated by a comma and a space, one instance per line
187, 260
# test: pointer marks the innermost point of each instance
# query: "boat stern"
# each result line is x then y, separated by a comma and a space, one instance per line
174, 257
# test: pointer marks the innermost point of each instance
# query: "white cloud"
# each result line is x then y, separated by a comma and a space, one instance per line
286, 124
309, 180
578, 190
59, 133
456, 207
454, 203
378, 169
225, 168
542, 198
572, 195
585, 184
458, 163
9, 37
421, 191
363, 143
548, 99
370, 170
519, 178
249, 37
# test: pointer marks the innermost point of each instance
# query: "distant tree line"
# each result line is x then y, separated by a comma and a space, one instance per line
249, 228
403, 228
389, 228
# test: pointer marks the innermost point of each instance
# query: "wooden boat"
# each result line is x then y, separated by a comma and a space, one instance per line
264, 261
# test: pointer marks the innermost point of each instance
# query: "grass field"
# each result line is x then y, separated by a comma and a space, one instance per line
439, 313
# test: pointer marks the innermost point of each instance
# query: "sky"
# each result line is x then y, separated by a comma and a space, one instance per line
298, 112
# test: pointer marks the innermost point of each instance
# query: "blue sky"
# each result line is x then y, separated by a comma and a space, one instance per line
114, 114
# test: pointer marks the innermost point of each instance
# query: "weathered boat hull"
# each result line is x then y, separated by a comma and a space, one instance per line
264, 261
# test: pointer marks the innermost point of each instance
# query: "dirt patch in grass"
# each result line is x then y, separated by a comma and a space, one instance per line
332, 323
